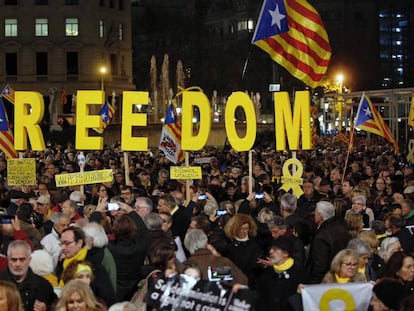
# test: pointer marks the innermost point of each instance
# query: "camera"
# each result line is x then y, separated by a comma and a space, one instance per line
259, 195
113, 207
202, 197
220, 212
222, 273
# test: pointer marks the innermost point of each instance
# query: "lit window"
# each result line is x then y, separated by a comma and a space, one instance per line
10, 27
101, 29
41, 27
72, 27
120, 32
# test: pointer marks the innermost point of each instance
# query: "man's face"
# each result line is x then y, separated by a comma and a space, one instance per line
69, 246
62, 224
277, 232
346, 187
18, 261
67, 209
308, 189
42, 209
162, 206
127, 195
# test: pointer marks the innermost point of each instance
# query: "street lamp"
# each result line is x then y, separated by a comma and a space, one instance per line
340, 80
103, 72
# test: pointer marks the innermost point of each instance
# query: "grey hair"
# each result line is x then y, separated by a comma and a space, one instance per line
58, 216
210, 207
153, 221
360, 247
144, 202
195, 239
97, 233
122, 306
384, 249
19, 243
288, 202
325, 209
360, 198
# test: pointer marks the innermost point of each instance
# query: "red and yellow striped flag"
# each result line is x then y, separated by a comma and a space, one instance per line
293, 34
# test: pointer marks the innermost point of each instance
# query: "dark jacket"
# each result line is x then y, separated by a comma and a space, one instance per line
180, 223
33, 288
275, 288
129, 256
329, 239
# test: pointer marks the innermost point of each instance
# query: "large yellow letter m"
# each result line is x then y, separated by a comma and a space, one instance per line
288, 126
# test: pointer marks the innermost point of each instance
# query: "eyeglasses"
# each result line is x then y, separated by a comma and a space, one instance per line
125, 193
101, 190
66, 243
350, 264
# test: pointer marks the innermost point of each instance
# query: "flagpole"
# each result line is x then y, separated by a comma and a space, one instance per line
187, 182
126, 168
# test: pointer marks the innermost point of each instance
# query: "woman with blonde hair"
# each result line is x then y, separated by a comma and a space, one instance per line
10, 295
243, 250
76, 296
344, 268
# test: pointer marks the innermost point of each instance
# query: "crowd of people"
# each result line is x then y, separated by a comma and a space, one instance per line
73, 248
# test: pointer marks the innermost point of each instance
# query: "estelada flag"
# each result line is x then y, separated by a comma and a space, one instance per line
293, 34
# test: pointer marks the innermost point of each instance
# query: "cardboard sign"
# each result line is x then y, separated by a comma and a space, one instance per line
183, 172
21, 172
83, 178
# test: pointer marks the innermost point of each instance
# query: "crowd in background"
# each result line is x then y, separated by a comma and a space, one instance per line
63, 247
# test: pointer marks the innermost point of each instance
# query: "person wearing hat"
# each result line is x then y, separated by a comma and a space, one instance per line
17, 198
387, 295
44, 214
280, 278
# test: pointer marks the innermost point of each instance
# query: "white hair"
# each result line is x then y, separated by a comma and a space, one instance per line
122, 306
325, 209
97, 233
194, 240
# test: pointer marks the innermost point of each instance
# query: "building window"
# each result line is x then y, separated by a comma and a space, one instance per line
120, 32
71, 2
101, 29
121, 5
72, 27
41, 64
72, 63
11, 64
114, 64
41, 27
111, 4
41, 2
101, 2
10, 2
10, 27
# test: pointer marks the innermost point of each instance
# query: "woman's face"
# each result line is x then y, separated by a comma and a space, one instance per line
380, 184
76, 303
243, 231
349, 267
102, 192
406, 272
84, 276
357, 206
3, 300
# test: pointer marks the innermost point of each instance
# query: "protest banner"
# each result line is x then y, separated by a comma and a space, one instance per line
182, 292
185, 172
21, 172
334, 296
83, 178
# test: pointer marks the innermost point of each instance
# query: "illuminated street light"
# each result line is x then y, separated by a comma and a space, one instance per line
103, 72
340, 80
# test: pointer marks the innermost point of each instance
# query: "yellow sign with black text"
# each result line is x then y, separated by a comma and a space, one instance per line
21, 172
83, 178
185, 172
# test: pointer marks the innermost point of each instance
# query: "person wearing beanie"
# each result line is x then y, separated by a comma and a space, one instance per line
387, 295
280, 278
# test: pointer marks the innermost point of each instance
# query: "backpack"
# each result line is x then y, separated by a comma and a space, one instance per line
140, 296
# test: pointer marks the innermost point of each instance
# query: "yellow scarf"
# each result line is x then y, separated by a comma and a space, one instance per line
284, 266
361, 270
341, 280
81, 255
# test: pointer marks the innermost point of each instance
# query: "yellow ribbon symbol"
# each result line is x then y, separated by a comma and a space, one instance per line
292, 182
410, 156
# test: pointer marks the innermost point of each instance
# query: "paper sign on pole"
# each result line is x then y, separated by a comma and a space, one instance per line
83, 178
21, 172
185, 172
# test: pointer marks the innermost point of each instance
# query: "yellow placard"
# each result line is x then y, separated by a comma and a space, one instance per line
185, 172
21, 172
83, 178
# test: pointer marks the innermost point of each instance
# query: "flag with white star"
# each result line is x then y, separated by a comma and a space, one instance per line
107, 112
369, 119
6, 135
293, 34
8, 93
170, 140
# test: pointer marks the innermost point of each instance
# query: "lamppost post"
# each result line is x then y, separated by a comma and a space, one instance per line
340, 80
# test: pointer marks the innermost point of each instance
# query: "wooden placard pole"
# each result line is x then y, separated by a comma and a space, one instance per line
126, 168
250, 171
187, 182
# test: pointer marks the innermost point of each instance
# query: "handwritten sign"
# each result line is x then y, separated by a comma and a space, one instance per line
21, 172
83, 178
183, 172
